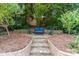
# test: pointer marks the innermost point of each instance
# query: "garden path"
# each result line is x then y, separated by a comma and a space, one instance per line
40, 46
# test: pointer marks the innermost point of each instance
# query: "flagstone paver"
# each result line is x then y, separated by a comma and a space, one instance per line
40, 46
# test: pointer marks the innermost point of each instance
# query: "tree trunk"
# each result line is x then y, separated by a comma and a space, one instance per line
69, 30
6, 27
7, 31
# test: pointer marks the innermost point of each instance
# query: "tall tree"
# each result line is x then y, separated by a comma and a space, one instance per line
6, 15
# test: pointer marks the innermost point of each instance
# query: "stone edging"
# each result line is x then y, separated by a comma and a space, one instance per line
55, 51
23, 52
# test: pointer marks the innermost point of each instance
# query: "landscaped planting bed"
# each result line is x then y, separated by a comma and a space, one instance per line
59, 44
15, 43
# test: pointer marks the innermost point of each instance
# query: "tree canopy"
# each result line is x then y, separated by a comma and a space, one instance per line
7, 11
21, 11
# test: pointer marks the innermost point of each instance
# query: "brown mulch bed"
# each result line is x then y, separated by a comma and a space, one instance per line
61, 41
16, 42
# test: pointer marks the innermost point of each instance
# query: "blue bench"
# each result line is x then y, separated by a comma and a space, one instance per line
39, 30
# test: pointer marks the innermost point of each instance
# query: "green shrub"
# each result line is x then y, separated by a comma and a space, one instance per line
7, 11
70, 19
75, 45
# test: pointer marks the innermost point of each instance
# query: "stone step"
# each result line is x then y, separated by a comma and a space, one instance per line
40, 41
40, 37
40, 51
40, 54
40, 44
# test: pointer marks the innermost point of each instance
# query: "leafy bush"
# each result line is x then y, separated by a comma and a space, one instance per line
75, 45
8, 10
70, 19
20, 25
41, 9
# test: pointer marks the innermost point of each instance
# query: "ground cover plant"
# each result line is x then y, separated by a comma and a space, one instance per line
74, 45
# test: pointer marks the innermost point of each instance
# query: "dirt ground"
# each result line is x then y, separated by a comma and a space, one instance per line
16, 41
61, 41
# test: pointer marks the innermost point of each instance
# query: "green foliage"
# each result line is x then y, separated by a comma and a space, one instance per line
41, 9
27, 9
51, 11
70, 19
8, 10
75, 45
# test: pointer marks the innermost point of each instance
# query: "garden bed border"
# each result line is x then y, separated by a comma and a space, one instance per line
22, 52
55, 51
